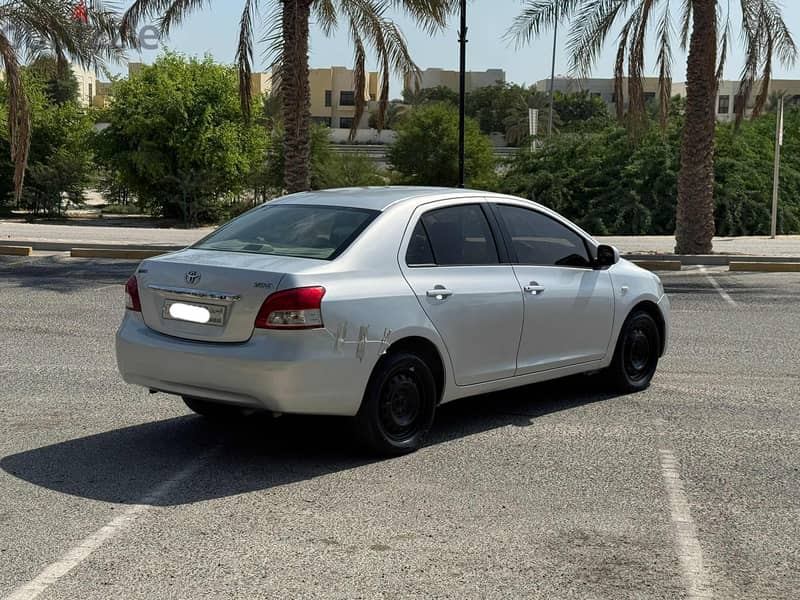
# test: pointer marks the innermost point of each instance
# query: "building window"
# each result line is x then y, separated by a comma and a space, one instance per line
347, 98
91, 93
614, 98
346, 122
326, 121
649, 97
597, 95
328, 97
724, 105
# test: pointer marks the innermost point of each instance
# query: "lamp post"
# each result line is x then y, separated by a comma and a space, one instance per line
777, 174
462, 85
552, 79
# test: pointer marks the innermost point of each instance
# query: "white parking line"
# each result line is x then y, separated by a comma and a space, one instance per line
690, 554
718, 287
77, 554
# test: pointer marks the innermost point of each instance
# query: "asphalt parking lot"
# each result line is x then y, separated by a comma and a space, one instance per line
690, 489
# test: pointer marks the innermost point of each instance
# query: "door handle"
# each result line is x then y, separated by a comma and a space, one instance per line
533, 288
439, 292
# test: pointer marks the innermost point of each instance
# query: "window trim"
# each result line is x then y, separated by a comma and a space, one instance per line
507, 239
481, 204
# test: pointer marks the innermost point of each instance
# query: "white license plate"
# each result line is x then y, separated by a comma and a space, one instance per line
191, 312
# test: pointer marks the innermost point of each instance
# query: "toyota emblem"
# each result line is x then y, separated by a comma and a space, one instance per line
192, 277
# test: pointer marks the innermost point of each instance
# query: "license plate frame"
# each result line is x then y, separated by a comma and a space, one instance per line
217, 313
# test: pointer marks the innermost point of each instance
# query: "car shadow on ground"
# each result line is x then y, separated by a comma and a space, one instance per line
258, 452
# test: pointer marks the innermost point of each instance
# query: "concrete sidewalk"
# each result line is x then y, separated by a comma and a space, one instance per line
65, 237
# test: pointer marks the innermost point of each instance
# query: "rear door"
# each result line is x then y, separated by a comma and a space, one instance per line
569, 306
452, 262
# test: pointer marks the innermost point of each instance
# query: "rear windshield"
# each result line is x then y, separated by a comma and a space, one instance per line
302, 231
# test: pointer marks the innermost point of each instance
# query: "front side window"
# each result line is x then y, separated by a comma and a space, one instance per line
539, 240
347, 98
724, 105
460, 235
301, 231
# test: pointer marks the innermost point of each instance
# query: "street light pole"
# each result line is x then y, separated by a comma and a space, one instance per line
777, 174
462, 85
552, 79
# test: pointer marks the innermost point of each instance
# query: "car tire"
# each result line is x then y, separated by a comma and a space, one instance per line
215, 411
636, 355
398, 406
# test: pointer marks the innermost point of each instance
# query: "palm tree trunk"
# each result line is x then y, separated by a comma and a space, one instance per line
695, 218
294, 90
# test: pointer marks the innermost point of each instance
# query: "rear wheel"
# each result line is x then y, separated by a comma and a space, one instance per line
399, 405
212, 410
636, 355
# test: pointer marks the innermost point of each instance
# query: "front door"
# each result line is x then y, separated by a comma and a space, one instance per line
569, 306
475, 303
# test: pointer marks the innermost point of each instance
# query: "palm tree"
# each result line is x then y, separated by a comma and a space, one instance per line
287, 22
32, 30
766, 38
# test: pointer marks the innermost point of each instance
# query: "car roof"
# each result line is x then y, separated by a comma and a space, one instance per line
375, 198
382, 197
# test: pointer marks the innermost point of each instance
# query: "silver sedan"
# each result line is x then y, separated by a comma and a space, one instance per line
381, 304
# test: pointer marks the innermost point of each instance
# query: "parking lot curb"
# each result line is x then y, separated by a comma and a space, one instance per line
659, 265
118, 253
16, 250
765, 267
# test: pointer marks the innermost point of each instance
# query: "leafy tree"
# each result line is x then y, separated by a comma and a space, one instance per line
577, 109
440, 93
61, 85
610, 185
765, 35
178, 138
425, 151
39, 28
395, 113
60, 161
367, 25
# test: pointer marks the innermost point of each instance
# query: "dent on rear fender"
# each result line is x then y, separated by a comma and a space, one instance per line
360, 342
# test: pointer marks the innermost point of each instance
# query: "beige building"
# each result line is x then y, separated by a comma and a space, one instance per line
728, 92
333, 96
599, 88
433, 77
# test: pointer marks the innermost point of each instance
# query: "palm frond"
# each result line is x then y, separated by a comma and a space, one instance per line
537, 17
244, 57
664, 64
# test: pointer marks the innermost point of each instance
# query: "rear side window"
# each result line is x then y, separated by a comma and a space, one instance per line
301, 231
419, 251
460, 235
539, 240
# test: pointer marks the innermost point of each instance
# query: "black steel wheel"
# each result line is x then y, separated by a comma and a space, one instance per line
637, 353
399, 405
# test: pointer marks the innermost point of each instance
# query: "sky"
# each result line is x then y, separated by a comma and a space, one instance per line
214, 30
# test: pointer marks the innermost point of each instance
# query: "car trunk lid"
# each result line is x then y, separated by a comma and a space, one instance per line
211, 295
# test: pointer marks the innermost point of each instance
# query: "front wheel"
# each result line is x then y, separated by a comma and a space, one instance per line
636, 354
399, 405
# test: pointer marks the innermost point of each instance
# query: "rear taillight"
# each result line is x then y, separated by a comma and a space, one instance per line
132, 295
299, 308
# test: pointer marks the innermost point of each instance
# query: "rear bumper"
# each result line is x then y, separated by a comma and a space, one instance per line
282, 371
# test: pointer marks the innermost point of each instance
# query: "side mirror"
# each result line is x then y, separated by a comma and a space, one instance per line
606, 256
